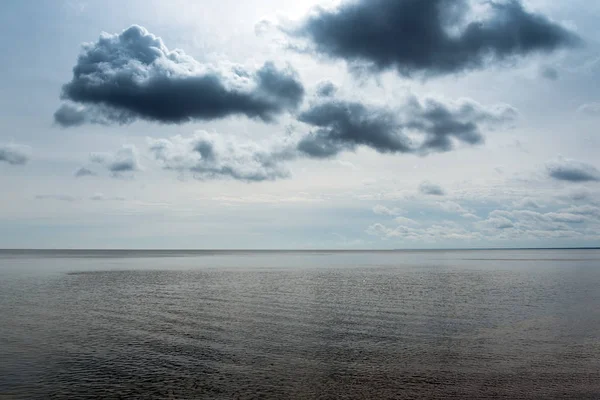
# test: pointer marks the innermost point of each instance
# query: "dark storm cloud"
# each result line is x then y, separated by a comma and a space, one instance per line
421, 127
431, 189
133, 75
431, 37
572, 171
341, 126
210, 156
14, 154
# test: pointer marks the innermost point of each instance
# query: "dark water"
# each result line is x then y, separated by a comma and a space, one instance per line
439, 325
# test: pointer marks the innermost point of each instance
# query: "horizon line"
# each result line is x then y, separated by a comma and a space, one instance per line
299, 250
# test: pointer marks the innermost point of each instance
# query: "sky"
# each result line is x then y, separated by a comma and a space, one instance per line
276, 124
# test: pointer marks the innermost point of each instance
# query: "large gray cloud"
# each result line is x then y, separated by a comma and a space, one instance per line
14, 154
431, 37
341, 126
572, 171
210, 156
123, 77
417, 127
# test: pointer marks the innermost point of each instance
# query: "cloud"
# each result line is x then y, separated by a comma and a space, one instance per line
123, 161
522, 224
382, 210
455, 208
433, 37
326, 89
566, 217
102, 197
549, 73
591, 109
500, 223
342, 126
579, 195
211, 156
429, 234
70, 114
587, 210
72, 199
14, 154
431, 189
57, 197
419, 126
133, 75
83, 171
525, 220
568, 170
403, 221
527, 203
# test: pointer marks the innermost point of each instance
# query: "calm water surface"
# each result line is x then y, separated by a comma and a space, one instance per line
219, 325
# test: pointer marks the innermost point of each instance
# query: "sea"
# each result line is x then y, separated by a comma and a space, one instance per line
479, 324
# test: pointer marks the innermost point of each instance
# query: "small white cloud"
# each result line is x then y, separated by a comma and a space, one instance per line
590, 109
123, 161
14, 154
527, 203
382, 210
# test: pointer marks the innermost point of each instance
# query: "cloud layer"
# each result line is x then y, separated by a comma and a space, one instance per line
433, 37
14, 154
334, 126
211, 156
133, 75
500, 225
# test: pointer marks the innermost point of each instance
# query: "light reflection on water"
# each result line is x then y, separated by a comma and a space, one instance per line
512, 324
